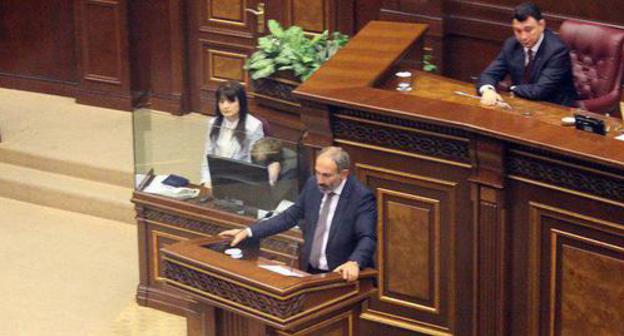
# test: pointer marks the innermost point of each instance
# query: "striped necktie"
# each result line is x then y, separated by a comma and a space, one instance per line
321, 227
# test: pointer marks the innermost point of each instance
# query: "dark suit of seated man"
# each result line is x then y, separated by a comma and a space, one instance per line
537, 61
340, 214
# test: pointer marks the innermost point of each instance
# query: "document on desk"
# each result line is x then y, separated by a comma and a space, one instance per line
283, 270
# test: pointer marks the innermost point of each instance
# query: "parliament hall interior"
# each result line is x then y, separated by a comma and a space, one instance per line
312, 168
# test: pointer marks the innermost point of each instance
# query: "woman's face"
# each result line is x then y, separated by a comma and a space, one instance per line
229, 109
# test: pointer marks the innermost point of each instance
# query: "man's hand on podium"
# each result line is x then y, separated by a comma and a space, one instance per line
239, 235
349, 270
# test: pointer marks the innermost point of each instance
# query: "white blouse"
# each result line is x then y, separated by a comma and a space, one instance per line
227, 145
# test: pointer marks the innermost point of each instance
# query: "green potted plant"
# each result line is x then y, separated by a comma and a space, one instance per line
287, 57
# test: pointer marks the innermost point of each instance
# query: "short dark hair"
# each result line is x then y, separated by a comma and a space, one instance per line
526, 10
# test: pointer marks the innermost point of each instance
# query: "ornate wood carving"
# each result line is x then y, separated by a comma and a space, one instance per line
428, 143
272, 244
275, 89
561, 174
229, 291
402, 122
183, 222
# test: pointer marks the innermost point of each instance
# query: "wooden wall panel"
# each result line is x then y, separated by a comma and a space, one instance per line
567, 245
578, 263
312, 16
158, 54
102, 43
104, 55
220, 65
221, 36
38, 46
415, 253
231, 11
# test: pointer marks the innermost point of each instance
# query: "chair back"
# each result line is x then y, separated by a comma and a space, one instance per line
596, 52
266, 127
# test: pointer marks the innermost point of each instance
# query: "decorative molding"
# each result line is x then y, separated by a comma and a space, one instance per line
431, 302
212, 18
406, 123
155, 252
202, 227
560, 174
388, 319
115, 42
426, 143
183, 222
276, 90
226, 290
548, 227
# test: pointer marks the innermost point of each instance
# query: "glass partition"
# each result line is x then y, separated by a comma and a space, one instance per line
188, 159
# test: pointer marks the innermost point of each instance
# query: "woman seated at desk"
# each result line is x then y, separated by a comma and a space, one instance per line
232, 131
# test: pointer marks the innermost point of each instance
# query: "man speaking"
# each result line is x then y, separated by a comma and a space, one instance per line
339, 215
537, 61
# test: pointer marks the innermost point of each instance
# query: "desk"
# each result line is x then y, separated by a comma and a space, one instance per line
163, 221
490, 222
240, 298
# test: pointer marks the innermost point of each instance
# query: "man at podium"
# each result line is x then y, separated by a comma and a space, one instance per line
339, 219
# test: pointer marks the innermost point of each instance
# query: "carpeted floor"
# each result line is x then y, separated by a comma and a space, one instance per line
68, 272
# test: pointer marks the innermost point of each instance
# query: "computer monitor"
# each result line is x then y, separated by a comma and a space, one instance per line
235, 180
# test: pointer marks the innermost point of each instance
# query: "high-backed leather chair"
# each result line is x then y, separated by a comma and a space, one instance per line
597, 53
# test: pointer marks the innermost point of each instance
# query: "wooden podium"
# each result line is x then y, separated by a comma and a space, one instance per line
240, 297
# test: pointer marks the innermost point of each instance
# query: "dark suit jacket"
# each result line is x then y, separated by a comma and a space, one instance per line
551, 78
352, 235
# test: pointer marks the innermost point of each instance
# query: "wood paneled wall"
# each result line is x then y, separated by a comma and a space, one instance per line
38, 46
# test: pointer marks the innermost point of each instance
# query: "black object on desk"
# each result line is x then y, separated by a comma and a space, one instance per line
589, 124
175, 181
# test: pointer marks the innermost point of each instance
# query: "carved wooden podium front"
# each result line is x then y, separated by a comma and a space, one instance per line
239, 297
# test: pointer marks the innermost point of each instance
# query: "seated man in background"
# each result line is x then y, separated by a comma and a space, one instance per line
281, 163
339, 213
536, 59
270, 153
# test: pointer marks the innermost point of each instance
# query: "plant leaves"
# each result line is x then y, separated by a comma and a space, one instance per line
264, 72
275, 28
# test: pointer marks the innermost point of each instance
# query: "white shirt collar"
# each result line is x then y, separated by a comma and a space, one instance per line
536, 46
229, 124
339, 188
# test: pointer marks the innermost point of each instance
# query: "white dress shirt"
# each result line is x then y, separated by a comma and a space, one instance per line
330, 216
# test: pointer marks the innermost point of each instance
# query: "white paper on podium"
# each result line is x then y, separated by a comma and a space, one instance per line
283, 270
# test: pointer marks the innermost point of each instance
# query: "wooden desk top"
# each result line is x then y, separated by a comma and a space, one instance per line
360, 76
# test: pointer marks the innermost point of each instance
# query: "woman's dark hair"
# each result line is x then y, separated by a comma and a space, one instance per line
230, 91
526, 10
